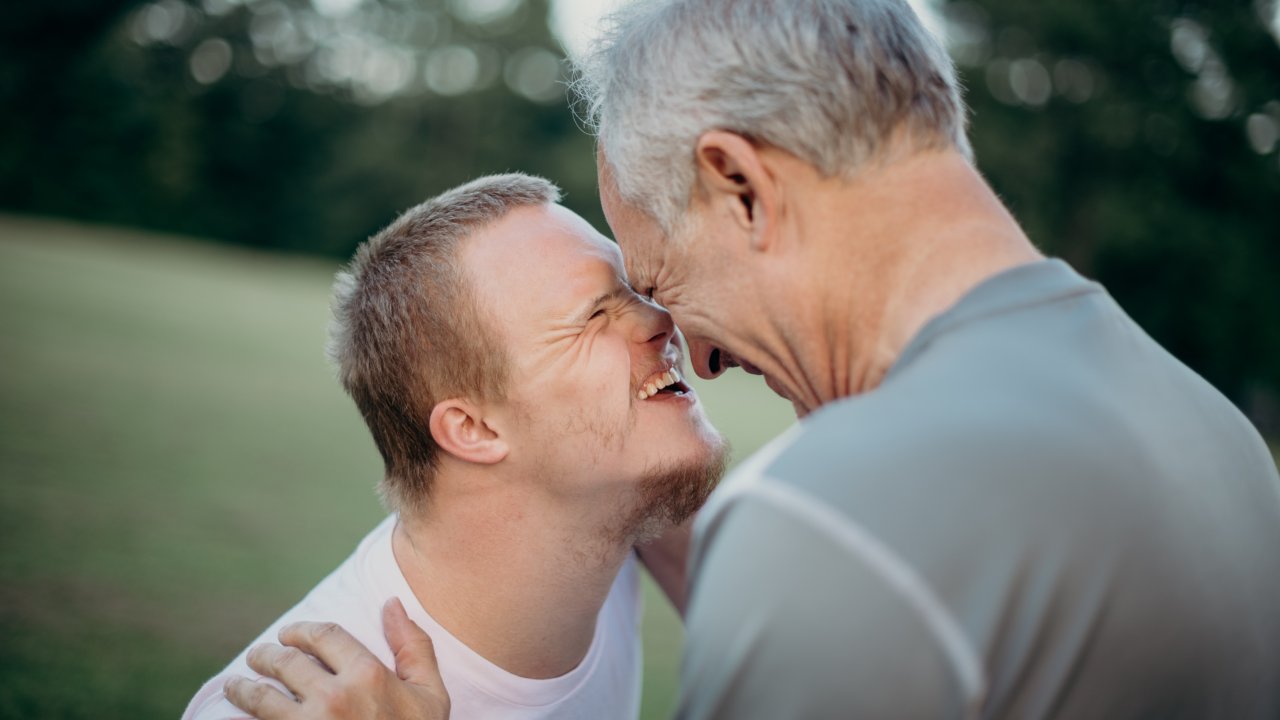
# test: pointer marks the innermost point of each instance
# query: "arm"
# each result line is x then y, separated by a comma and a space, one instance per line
667, 558
334, 676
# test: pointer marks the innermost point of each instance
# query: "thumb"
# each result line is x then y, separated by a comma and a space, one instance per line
415, 654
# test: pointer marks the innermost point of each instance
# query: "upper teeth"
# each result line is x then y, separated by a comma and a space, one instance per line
652, 387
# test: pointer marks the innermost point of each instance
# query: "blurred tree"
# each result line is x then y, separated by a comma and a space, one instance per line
1138, 140
279, 123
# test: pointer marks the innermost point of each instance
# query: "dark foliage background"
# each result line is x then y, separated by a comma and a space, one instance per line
1137, 139
284, 149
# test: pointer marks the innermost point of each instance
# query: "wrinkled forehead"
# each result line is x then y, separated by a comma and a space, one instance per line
639, 235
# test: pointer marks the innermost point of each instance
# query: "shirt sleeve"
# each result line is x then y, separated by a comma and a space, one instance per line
786, 621
211, 704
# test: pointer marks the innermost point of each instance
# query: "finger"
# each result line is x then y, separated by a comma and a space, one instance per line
300, 673
328, 642
414, 651
259, 699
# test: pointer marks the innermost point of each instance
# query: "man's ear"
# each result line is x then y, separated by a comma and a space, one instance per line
459, 428
734, 177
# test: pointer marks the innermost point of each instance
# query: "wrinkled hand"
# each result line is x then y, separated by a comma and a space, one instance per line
334, 676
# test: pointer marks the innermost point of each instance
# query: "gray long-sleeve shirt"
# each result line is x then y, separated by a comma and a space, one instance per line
1039, 513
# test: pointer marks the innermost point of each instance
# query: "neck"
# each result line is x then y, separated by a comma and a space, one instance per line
895, 247
517, 581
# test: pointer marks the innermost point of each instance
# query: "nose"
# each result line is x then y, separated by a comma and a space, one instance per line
653, 326
708, 361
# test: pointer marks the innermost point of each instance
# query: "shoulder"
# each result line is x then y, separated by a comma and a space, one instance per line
788, 577
960, 491
891, 454
344, 597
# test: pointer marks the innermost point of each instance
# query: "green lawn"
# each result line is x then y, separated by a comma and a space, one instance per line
179, 465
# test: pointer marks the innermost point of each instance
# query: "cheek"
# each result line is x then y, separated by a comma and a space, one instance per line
712, 317
599, 385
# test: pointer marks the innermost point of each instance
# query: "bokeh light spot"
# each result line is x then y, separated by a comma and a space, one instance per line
218, 8
167, 21
336, 8
998, 82
1189, 43
210, 61
452, 70
484, 12
1029, 81
1263, 132
968, 36
1074, 80
535, 73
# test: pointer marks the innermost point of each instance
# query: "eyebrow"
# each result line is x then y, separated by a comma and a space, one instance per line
590, 308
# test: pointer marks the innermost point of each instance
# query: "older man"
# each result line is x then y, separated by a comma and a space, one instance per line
534, 424
1005, 500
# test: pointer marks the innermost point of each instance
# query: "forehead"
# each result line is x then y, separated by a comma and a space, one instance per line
638, 235
539, 264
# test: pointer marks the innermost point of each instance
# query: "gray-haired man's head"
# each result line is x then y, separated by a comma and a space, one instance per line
832, 82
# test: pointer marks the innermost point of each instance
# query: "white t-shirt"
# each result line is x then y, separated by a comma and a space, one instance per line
605, 685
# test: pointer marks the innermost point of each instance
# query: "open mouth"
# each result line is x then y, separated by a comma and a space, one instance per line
668, 382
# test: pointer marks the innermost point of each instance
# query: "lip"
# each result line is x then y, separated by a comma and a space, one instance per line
688, 397
663, 382
659, 372
669, 363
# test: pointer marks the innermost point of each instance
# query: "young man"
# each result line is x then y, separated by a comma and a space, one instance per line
531, 414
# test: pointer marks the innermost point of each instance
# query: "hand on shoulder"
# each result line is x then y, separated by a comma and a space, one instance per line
333, 676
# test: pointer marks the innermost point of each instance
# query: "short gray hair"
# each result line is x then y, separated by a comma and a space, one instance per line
408, 331
829, 81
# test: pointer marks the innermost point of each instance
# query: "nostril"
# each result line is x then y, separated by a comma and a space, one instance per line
713, 361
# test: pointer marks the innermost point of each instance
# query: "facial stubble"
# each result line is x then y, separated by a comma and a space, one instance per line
669, 494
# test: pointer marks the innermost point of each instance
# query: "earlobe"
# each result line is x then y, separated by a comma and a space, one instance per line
460, 429
732, 174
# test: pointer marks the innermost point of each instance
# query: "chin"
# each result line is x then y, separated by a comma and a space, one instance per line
672, 490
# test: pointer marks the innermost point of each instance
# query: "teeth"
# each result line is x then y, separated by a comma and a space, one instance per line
670, 377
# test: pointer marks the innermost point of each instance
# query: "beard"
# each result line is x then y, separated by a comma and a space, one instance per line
668, 495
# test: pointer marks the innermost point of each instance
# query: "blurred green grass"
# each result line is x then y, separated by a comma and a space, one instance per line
179, 466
